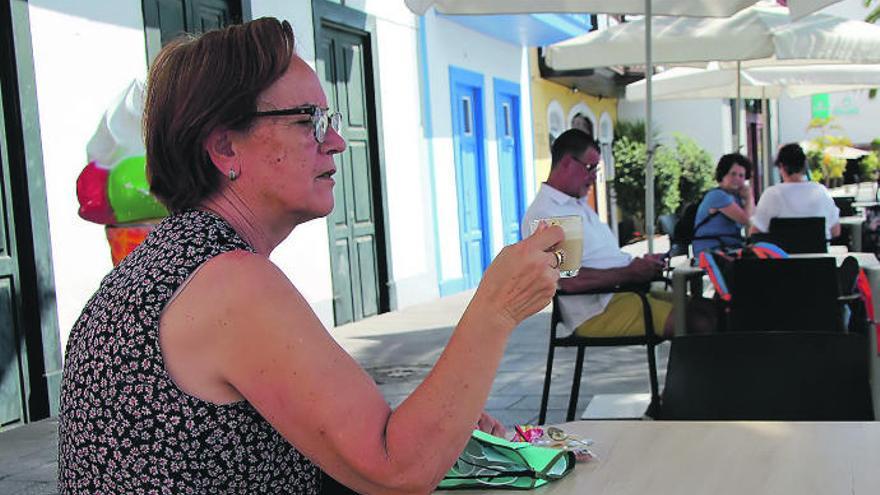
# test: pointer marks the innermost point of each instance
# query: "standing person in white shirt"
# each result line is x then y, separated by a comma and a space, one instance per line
795, 196
575, 158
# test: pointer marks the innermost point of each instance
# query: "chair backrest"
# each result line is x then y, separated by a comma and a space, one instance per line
772, 376
796, 294
845, 204
799, 235
555, 316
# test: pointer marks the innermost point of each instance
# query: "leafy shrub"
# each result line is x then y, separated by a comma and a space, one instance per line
814, 162
869, 164
697, 169
830, 167
633, 130
629, 180
681, 172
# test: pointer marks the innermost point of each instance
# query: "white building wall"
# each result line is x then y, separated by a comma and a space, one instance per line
528, 148
706, 121
406, 170
450, 44
407, 188
85, 54
304, 256
855, 113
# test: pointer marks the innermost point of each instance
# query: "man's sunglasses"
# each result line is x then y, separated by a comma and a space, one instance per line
590, 167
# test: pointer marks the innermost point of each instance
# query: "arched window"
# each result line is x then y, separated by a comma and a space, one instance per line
555, 120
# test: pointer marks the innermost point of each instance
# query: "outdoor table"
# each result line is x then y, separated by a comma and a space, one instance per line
723, 458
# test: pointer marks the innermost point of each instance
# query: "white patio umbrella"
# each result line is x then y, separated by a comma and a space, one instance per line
757, 83
759, 35
699, 8
649, 8
800, 8
837, 151
685, 8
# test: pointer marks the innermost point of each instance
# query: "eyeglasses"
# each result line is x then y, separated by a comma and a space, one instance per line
321, 118
590, 167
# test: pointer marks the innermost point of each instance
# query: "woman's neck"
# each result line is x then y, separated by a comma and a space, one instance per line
256, 231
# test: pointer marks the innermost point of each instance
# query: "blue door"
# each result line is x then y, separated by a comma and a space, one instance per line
470, 176
509, 158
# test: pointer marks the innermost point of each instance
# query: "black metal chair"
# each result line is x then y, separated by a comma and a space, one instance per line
649, 340
771, 376
790, 294
845, 205
799, 235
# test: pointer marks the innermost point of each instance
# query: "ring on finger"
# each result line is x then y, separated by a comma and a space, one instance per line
560, 258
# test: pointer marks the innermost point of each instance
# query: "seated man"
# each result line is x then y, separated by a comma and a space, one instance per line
795, 196
575, 158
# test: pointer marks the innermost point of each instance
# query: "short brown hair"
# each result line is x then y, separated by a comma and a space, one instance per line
197, 84
572, 142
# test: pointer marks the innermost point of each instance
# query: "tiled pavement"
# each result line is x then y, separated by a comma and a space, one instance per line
397, 349
398, 357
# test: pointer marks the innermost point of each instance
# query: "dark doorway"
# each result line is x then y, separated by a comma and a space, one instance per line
165, 20
30, 354
358, 256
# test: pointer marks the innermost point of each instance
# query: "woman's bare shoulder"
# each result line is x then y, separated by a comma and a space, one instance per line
241, 278
235, 301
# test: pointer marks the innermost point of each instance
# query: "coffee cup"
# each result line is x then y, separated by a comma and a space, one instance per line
571, 247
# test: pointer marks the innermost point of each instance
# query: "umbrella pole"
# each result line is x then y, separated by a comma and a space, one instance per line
738, 110
765, 114
649, 141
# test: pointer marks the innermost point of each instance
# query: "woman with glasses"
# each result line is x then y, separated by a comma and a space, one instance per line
198, 367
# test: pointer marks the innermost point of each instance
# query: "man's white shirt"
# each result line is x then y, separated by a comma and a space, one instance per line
796, 199
600, 250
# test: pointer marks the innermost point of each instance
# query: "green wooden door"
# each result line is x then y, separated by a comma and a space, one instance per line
165, 20
213, 14
12, 347
355, 247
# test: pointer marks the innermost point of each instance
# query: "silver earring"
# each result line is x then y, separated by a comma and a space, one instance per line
232, 174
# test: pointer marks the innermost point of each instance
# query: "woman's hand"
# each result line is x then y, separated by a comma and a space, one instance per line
522, 278
745, 191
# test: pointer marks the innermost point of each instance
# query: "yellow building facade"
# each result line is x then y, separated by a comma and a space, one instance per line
554, 107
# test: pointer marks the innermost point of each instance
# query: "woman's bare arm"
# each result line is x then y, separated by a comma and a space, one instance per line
240, 322
736, 213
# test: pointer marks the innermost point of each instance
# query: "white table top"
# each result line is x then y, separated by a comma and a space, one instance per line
852, 220
721, 458
865, 260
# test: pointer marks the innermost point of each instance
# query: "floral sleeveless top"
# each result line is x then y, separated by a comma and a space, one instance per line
124, 425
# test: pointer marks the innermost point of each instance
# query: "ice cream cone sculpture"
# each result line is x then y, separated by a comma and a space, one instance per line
112, 188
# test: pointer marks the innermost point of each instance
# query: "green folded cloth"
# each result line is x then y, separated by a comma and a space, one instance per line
492, 462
